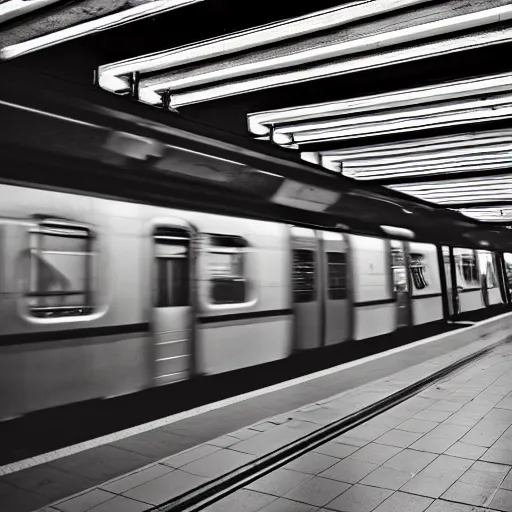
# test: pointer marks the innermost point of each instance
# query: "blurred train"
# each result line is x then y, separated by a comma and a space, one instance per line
100, 298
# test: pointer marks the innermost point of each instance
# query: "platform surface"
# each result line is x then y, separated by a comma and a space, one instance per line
449, 449
222, 440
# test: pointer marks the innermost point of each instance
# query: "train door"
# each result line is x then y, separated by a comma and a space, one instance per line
305, 288
489, 276
507, 272
451, 288
401, 285
334, 288
172, 313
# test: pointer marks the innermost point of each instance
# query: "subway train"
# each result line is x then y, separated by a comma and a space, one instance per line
100, 298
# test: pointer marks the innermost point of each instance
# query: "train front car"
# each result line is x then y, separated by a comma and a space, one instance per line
100, 297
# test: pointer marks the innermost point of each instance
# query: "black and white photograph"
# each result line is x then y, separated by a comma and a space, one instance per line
255, 256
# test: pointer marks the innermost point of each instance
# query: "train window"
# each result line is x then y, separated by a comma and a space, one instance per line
398, 267
337, 275
227, 269
172, 267
469, 268
303, 276
488, 269
507, 256
60, 272
418, 267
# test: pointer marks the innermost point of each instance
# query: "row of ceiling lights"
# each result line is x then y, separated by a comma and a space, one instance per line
180, 76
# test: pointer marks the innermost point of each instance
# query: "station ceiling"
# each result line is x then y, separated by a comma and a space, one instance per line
413, 95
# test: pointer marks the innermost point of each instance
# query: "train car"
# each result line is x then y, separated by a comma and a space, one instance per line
100, 298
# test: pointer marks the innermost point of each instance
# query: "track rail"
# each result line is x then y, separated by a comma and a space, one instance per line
213, 491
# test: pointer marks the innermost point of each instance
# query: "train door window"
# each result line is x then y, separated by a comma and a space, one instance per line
417, 268
447, 266
507, 256
398, 267
488, 269
303, 277
172, 267
227, 269
61, 270
466, 261
337, 275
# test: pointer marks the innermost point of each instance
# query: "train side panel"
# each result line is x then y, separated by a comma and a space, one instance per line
427, 299
374, 306
47, 362
468, 280
256, 328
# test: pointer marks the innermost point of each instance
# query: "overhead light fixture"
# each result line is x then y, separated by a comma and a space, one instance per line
227, 78
457, 166
420, 146
396, 231
473, 191
494, 214
474, 151
261, 123
246, 40
444, 114
142, 10
14, 8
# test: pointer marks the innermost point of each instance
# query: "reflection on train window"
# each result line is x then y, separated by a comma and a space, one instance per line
508, 268
60, 272
337, 275
398, 267
172, 267
466, 261
303, 276
226, 261
488, 269
418, 268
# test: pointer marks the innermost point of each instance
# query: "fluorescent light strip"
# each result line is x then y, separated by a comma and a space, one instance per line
472, 191
503, 213
351, 65
466, 152
460, 184
430, 164
447, 200
486, 153
418, 146
260, 123
113, 76
176, 81
299, 131
422, 171
13, 8
150, 8
477, 111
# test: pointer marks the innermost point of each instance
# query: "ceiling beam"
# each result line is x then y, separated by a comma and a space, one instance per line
71, 21
114, 77
307, 117
440, 177
14, 8
336, 57
477, 191
466, 111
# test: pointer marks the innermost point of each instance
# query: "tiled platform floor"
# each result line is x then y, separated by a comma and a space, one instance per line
448, 449
29, 489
